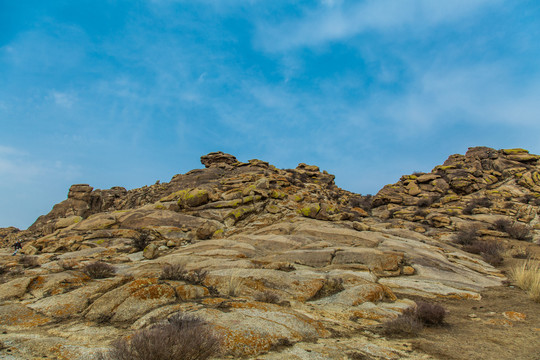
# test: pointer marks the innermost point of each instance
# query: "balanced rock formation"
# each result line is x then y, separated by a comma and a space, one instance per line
215, 242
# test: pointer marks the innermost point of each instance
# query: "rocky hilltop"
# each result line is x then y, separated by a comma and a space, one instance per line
282, 264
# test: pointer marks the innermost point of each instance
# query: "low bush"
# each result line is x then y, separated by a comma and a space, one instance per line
527, 277
502, 224
181, 337
179, 272
99, 270
407, 324
142, 240
489, 250
476, 203
466, 235
520, 232
173, 272
430, 314
413, 319
267, 296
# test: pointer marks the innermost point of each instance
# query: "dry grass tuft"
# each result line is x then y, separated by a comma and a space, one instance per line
99, 270
182, 337
527, 277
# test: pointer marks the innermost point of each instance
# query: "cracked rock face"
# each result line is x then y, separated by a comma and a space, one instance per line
262, 254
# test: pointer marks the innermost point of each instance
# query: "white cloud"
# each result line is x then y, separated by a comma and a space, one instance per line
332, 23
63, 99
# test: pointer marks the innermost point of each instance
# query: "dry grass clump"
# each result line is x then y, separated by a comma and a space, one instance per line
99, 270
489, 250
142, 240
527, 277
430, 314
476, 203
413, 319
514, 229
520, 232
267, 296
182, 337
173, 272
179, 272
407, 324
467, 235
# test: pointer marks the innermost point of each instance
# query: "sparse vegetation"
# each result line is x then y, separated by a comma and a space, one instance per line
527, 277
180, 273
430, 314
407, 324
99, 270
413, 319
329, 287
520, 232
173, 272
489, 250
181, 337
514, 229
267, 296
476, 203
142, 240
467, 235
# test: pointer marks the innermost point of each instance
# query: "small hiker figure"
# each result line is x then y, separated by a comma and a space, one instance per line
17, 246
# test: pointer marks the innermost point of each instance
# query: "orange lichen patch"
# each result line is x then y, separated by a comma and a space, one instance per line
61, 353
370, 315
152, 292
189, 292
307, 289
213, 301
514, 316
500, 322
20, 315
141, 283
245, 342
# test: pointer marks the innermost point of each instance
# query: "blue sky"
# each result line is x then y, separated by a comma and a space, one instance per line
124, 93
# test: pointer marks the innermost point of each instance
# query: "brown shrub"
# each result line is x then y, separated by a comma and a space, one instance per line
489, 250
267, 296
430, 314
142, 240
173, 272
466, 235
407, 324
476, 203
179, 272
99, 270
520, 232
182, 337
502, 224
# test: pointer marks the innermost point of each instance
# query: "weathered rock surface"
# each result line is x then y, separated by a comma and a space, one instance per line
234, 232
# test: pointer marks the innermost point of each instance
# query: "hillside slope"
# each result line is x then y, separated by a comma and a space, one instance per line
266, 256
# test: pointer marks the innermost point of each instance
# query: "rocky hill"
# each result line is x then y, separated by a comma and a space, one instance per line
282, 264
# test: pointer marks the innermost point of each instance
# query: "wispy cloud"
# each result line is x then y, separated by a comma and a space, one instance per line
334, 23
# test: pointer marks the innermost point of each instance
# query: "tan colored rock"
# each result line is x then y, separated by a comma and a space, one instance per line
15, 288
150, 251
